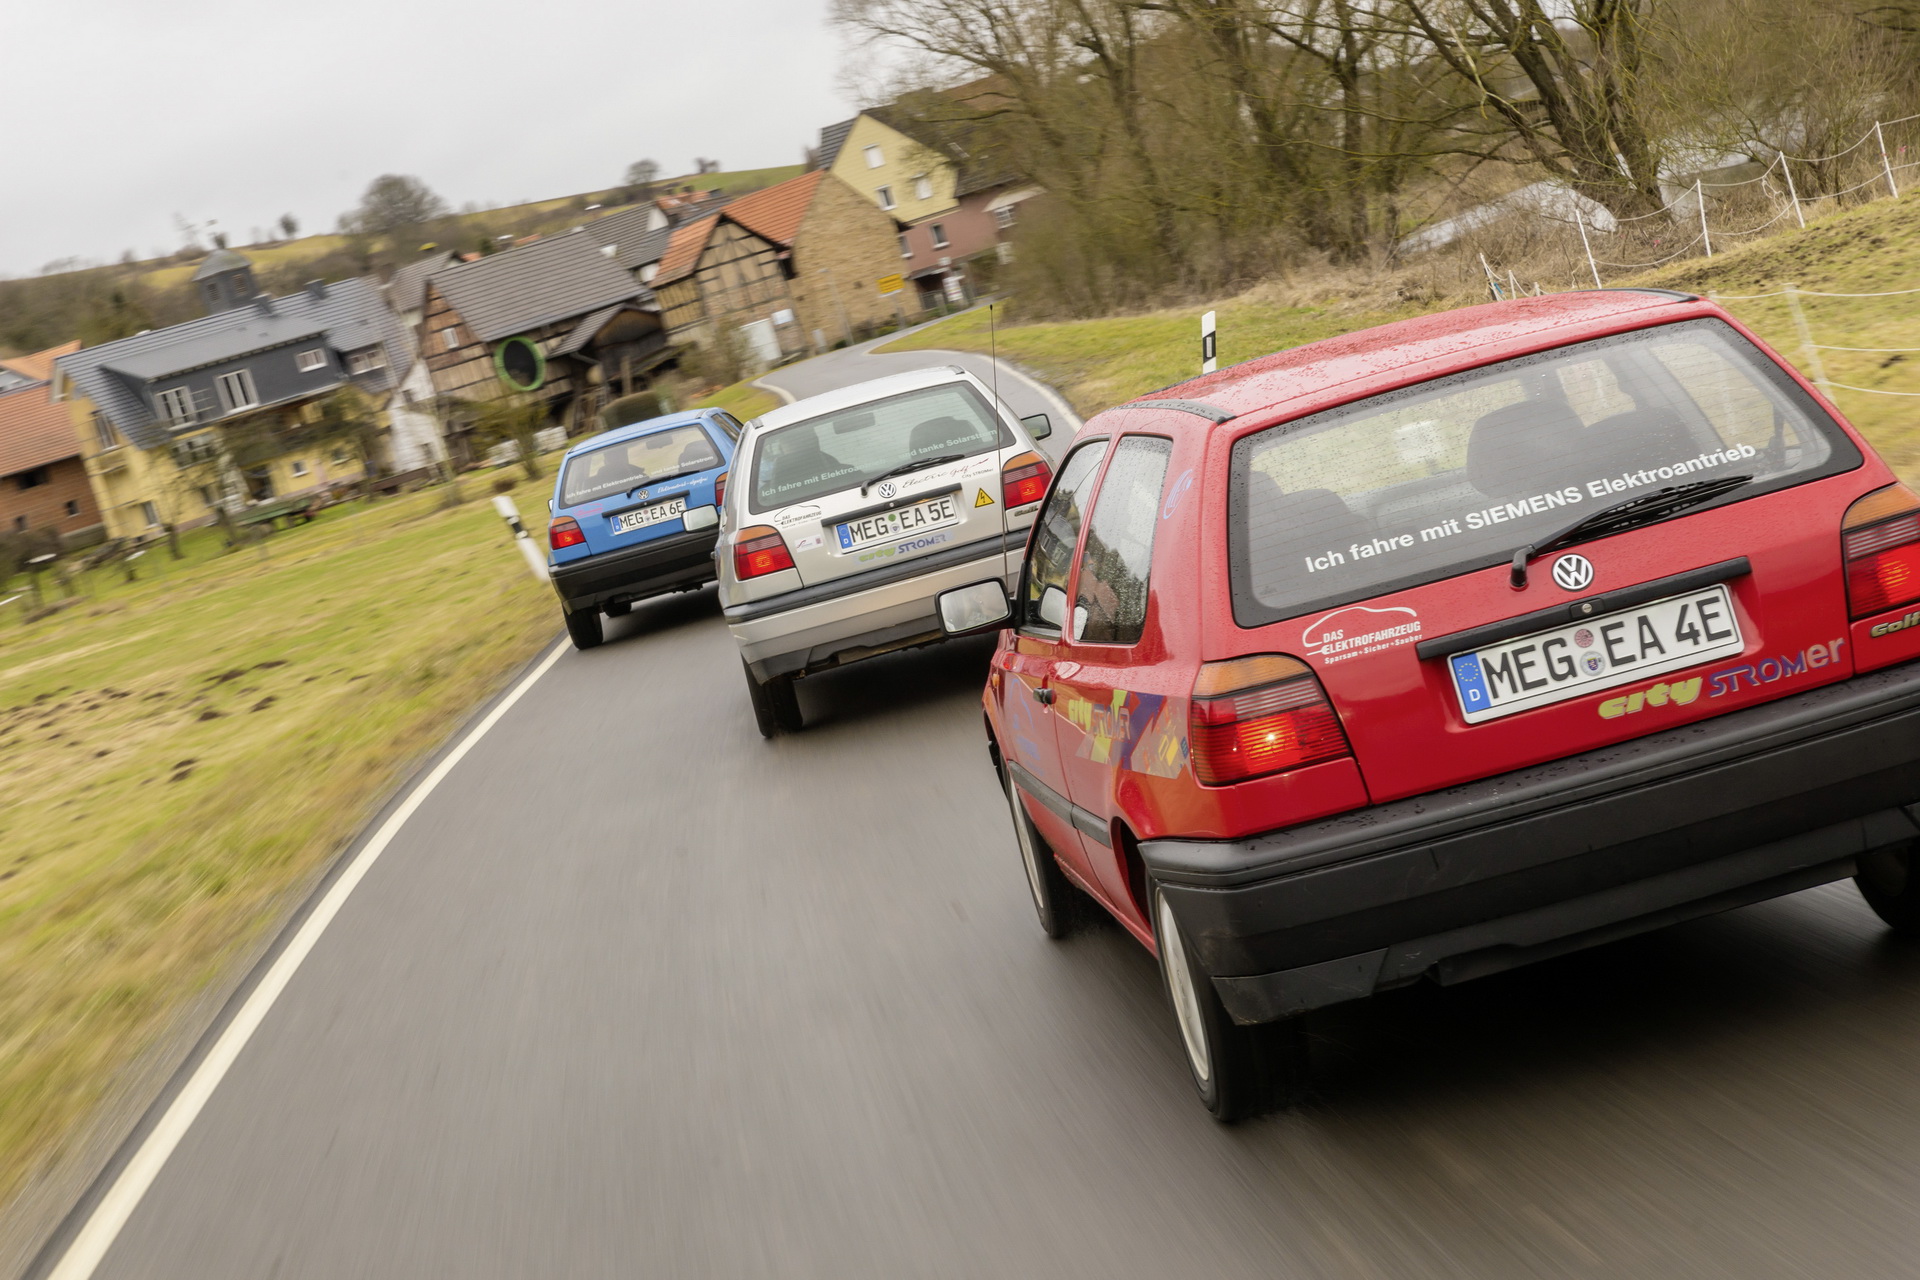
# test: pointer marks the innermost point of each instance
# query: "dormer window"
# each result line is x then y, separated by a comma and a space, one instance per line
366, 360
308, 361
236, 390
175, 404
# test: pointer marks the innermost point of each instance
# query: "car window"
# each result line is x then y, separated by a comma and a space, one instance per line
1110, 598
1043, 587
727, 423
1456, 474
617, 467
843, 450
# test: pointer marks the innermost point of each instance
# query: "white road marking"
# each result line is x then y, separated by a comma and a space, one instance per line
103, 1227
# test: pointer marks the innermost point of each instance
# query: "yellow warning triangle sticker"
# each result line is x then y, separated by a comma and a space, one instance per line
982, 500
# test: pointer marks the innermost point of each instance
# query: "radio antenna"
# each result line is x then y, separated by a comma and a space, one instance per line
993, 355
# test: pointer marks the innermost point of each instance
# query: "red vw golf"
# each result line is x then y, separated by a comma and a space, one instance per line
1452, 645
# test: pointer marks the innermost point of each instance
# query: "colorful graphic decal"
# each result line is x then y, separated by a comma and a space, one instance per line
1350, 632
1679, 693
1136, 731
1768, 670
1175, 492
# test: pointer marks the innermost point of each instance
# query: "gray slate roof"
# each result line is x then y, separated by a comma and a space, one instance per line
408, 288
221, 260
347, 305
257, 332
536, 284
626, 230
832, 138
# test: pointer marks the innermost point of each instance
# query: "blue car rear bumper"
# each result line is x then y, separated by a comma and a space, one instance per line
676, 562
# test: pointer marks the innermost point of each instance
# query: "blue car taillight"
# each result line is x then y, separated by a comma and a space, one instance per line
565, 532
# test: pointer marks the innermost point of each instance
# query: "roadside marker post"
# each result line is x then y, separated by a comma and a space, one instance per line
522, 539
1208, 359
1699, 198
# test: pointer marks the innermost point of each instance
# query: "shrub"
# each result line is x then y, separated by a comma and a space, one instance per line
626, 410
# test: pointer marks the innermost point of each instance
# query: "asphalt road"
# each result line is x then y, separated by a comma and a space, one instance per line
636, 993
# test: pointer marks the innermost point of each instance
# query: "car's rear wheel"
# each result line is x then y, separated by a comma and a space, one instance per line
776, 704
1055, 900
1887, 881
583, 625
1238, 1071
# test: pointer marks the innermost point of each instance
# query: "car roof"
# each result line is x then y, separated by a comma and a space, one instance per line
1332, 371
861, 393
645, 427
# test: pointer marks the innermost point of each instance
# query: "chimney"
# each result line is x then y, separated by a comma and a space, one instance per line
316, 289
263, 304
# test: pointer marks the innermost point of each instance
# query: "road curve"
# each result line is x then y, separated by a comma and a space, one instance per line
636, 993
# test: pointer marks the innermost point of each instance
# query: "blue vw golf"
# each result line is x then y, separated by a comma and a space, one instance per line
636, 514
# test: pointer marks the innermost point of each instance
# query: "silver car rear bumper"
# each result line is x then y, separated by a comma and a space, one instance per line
840, 622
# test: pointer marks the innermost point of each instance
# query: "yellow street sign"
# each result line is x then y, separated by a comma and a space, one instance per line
983, 500
890, 284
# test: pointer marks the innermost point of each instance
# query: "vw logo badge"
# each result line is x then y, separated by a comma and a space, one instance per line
1574, 573
887, 491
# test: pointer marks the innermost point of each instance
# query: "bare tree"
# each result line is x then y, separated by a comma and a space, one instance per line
393, 204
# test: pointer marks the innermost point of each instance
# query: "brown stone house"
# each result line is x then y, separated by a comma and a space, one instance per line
794, 267
43, 483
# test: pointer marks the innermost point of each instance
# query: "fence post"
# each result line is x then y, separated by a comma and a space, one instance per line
1581, 218
1700, 199
1493, 281
1794, 196
1812, 352
1885, 164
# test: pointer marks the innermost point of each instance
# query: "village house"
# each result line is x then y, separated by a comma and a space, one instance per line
43, 483
955, 199
556, 319
176, 424
797, 266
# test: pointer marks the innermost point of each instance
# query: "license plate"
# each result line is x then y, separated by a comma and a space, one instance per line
628, 521
1613, 649
884, 525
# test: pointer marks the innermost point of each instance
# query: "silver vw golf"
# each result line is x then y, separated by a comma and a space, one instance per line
849, 512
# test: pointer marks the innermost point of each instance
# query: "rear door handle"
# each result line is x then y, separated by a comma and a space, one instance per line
1043, 696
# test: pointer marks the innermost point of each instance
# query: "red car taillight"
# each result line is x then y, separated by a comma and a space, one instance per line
565, 532
719, 488
1881, 536
1259, 715
1024, 479
759, 551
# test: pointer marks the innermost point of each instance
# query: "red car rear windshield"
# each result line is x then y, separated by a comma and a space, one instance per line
1457, 474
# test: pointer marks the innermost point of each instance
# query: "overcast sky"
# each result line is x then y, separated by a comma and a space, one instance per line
121, 113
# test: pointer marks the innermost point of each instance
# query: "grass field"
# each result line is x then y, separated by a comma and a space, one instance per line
1876, 247
181, 755
743, 400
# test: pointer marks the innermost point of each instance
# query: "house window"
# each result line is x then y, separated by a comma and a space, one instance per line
150, 513
906, 250
32, 479
195, 450
1003, 216
450, 337
299, 466
922, 187
20, 524
339, 457
874, 158
211, 292
311, 360
885, 196
73, 506
104, 433
940, 240
176, 405
236, 390
366, 360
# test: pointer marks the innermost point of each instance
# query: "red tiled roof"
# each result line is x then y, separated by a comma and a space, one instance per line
34, 431
775, 213
39, 365
684, 249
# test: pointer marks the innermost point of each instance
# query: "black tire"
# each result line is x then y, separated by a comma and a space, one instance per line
1238, 1071
776, 704
1055, 899
1887, 881
584, 626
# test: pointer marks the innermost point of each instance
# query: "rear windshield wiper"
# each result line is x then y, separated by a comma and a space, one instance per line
905, 467
1648, 508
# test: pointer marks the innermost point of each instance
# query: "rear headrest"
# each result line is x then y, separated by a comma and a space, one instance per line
936, 435
1305, 515
1521, 448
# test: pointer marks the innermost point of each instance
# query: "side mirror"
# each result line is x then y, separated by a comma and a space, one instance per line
1053, 608
700, 517
979, 606
549, 506
1038, 425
